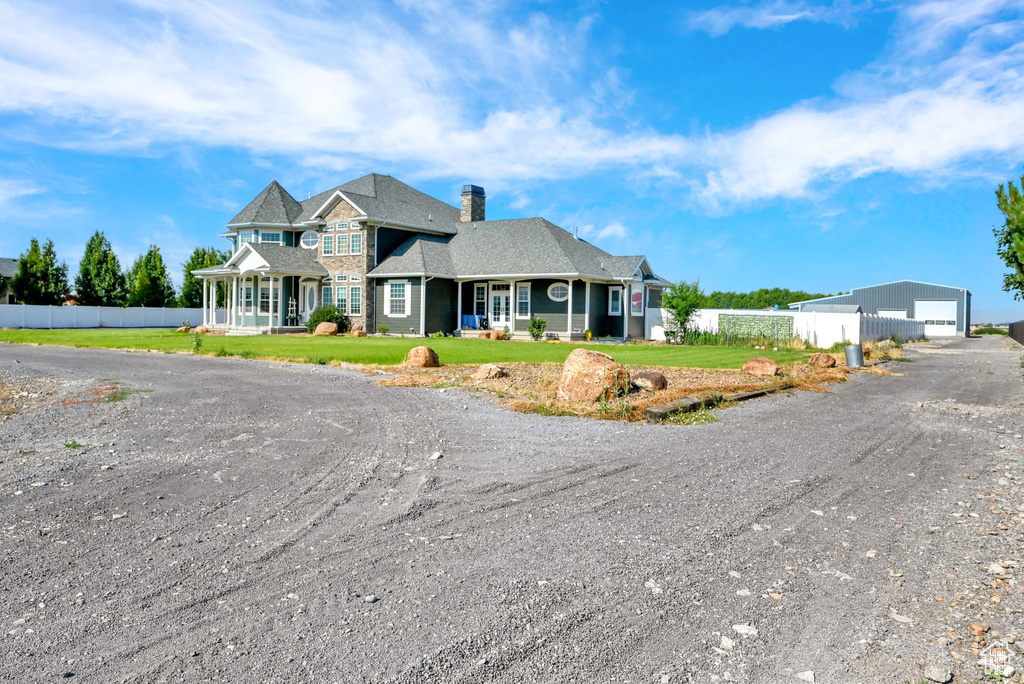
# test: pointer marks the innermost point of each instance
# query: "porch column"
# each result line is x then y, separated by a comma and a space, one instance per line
586, 306
569, 301
458, 309
625, 310
270, 313
234, 300
205, 293
281, 304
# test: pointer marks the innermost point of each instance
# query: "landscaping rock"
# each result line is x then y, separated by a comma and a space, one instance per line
358, 328
762, 366
650, 380
484, 335
325, 328
496, 334
358, 333
489, 371
183, 328
201, 329
590, 375
422, 357
821, 360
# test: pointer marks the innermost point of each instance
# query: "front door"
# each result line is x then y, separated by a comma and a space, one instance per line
501, 302
308, 300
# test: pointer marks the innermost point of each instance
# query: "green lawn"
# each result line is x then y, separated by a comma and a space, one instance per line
387, 351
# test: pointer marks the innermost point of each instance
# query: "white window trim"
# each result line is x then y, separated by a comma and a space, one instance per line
303, 237
477, 289
352, 299
338, 226
324, 290
643, 300
338, 289
554, 285
351, 243
278, 241
323, 242
529, 301
612, 312
387, 298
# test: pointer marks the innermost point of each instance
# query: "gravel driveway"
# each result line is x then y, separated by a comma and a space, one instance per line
250, 521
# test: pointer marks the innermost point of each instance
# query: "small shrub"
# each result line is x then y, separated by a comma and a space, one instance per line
187, 324
439, 333
197, 342
382, 330
839, 346
537, 326
990, 331
328, 314
896, 341
506, 334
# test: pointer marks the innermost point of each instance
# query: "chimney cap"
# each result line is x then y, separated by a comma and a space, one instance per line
473, 190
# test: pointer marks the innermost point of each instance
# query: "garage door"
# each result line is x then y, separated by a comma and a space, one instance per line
939, 316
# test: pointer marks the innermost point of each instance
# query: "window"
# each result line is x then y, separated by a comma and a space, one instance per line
480, 301
342, 298
355, 301
246, 236
397, 303
310, 239
271, 238
355, 279
636, 301
558, 292
341, 226
614, 301
326, 296
342, 246
341, 279
523, 300
264, 299
328, 241
357, 243
247, 301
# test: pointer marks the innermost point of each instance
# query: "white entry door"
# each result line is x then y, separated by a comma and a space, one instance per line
939, 316
501, 301
307, 302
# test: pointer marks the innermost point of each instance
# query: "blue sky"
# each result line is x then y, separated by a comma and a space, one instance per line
780, 143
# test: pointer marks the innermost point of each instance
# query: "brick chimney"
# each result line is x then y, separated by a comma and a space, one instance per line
473, 200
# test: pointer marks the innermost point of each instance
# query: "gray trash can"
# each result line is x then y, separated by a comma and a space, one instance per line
854, 356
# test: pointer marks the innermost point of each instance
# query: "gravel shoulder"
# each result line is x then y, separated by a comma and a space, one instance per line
243, 519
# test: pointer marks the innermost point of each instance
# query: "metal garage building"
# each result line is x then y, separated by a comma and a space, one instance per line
946, 311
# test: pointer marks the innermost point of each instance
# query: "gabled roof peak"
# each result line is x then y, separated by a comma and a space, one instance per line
273, 205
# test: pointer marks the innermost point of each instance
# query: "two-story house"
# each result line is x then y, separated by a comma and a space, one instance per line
391, 256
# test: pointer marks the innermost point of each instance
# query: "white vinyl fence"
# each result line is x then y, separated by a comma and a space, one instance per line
819, 329
32, 316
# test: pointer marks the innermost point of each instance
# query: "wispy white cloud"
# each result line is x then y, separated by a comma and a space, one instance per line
610, 231
11, 189
772, 14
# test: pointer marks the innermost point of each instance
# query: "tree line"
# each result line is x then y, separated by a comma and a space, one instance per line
41, 279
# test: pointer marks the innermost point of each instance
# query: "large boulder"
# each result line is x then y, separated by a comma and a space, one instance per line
422, 357
759, 365
358, 333
496, 334
357, 328
201, 329
820, 360
484, 335
590, 375
489, 371
326, 328
183, 328
650, 380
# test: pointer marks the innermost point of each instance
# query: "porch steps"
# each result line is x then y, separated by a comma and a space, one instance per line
242, 333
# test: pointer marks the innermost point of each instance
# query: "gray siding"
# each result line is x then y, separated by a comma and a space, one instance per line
555, 313
579, 305
441, 305
901, 295
398, 324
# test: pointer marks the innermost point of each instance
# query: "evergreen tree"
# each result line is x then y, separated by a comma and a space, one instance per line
100, 281
148, 282
40, 280
1010, 237
192, 287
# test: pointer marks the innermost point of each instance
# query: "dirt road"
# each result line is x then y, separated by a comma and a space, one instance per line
241, 520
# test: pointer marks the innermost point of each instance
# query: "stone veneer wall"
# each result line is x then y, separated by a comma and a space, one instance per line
353, 263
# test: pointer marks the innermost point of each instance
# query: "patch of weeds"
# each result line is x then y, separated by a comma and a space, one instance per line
545, 410
902, 359
197, 342
73, 444
122, 393
699, 417
318, 360
246, 353
222, 352
27, 452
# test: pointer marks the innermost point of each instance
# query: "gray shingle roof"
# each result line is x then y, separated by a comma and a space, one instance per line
290, 259
389, 199
8, 267
504, 248
273, 205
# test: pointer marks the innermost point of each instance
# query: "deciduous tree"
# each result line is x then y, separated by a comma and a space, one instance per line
683, 300
148, 282
1010, 237
40, 279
